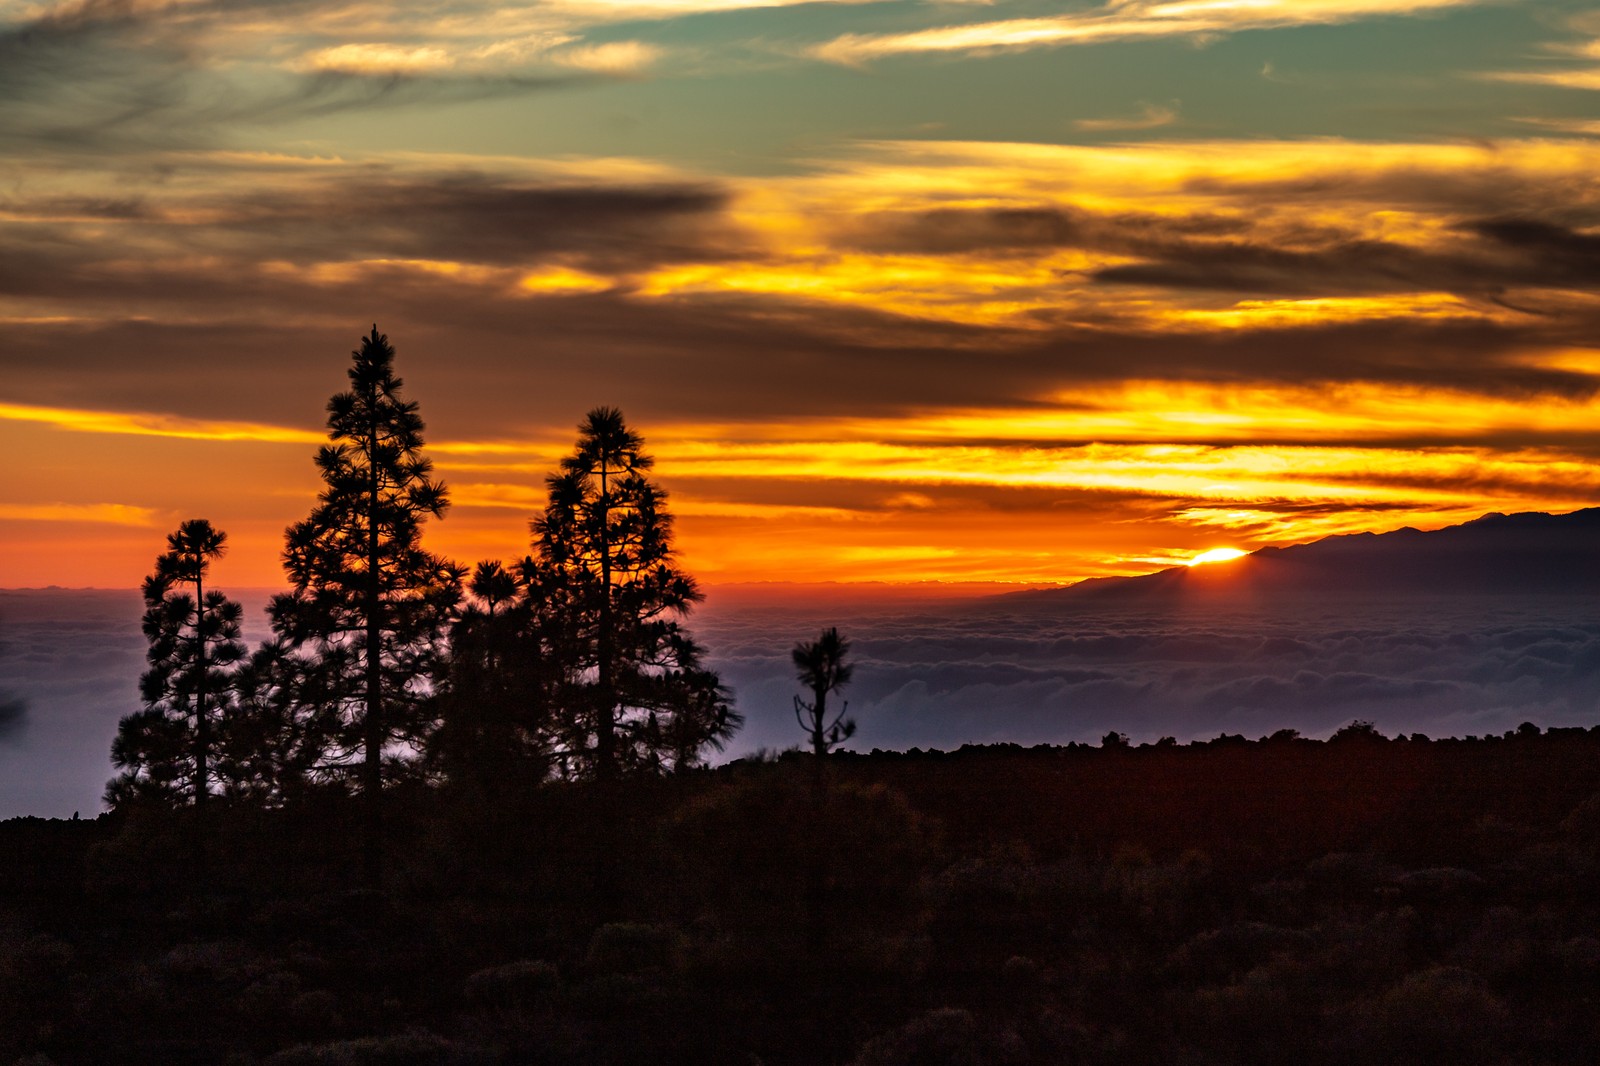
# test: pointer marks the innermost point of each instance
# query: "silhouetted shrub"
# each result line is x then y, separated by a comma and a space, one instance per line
524, 985
744, 850
1443, 1014
406, 1049
315, 1012
1582, 826
945, 1037
1366, 951
1358, 730
1237, 948
634, 948
1255, 1008
1437, 884
1350, 873
1578, 959
1021, 976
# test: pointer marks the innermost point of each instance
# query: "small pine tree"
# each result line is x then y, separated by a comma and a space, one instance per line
166, 751
822, 669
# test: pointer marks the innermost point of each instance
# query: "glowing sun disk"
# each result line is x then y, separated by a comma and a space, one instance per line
1216, 555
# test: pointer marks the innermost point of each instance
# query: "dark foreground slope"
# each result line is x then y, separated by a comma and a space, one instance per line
1356, 901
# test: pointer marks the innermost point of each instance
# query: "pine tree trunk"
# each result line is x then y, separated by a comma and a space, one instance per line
202, 724
202, 735
372, 721
605, 687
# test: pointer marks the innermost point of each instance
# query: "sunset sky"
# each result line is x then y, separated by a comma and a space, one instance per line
896, 291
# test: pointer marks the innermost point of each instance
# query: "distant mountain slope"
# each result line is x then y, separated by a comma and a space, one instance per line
1496, 555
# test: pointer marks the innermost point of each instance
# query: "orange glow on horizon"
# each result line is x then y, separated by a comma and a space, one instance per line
945, 496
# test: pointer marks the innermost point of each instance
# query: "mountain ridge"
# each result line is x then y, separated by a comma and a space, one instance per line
1496, 554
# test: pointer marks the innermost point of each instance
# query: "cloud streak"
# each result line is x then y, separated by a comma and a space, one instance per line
1120, 20
1149, 117
116, 514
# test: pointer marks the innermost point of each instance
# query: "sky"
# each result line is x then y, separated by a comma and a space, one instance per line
895, 290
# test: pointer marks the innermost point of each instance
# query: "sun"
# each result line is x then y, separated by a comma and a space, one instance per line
1216, 555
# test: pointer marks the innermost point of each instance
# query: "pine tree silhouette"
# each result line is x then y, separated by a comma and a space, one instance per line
822, 669
634, 693
165, 751
369, 605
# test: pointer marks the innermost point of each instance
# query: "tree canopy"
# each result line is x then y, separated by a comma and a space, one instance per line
634, 694
165, 751
369, 605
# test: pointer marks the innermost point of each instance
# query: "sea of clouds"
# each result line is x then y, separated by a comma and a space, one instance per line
997, 671
936, 673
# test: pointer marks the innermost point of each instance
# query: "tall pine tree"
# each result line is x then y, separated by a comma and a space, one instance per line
635, 694
167, 750
369, 606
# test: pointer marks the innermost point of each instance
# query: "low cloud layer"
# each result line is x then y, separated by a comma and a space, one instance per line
13, 715
939, 673
975, 674
74, 660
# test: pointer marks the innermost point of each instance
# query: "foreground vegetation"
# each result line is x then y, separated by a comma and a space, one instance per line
1360, 900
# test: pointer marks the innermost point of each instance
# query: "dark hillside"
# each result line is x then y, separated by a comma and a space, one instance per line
1359, 900
1531, 554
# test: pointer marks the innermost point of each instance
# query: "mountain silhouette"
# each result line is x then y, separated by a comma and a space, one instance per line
1497, 555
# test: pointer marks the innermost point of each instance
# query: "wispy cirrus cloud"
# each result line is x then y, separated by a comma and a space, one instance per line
1570, 61
125, 74
1148, 117
1579, 126
1120, 20
1567, 78
611, 57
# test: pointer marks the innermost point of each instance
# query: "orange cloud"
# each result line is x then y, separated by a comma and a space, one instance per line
113, 514
155, 425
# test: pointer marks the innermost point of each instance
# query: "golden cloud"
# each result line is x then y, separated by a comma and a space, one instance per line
156, 425
1118, 21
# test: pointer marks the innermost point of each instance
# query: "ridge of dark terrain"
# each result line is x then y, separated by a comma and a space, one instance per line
1530, 553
